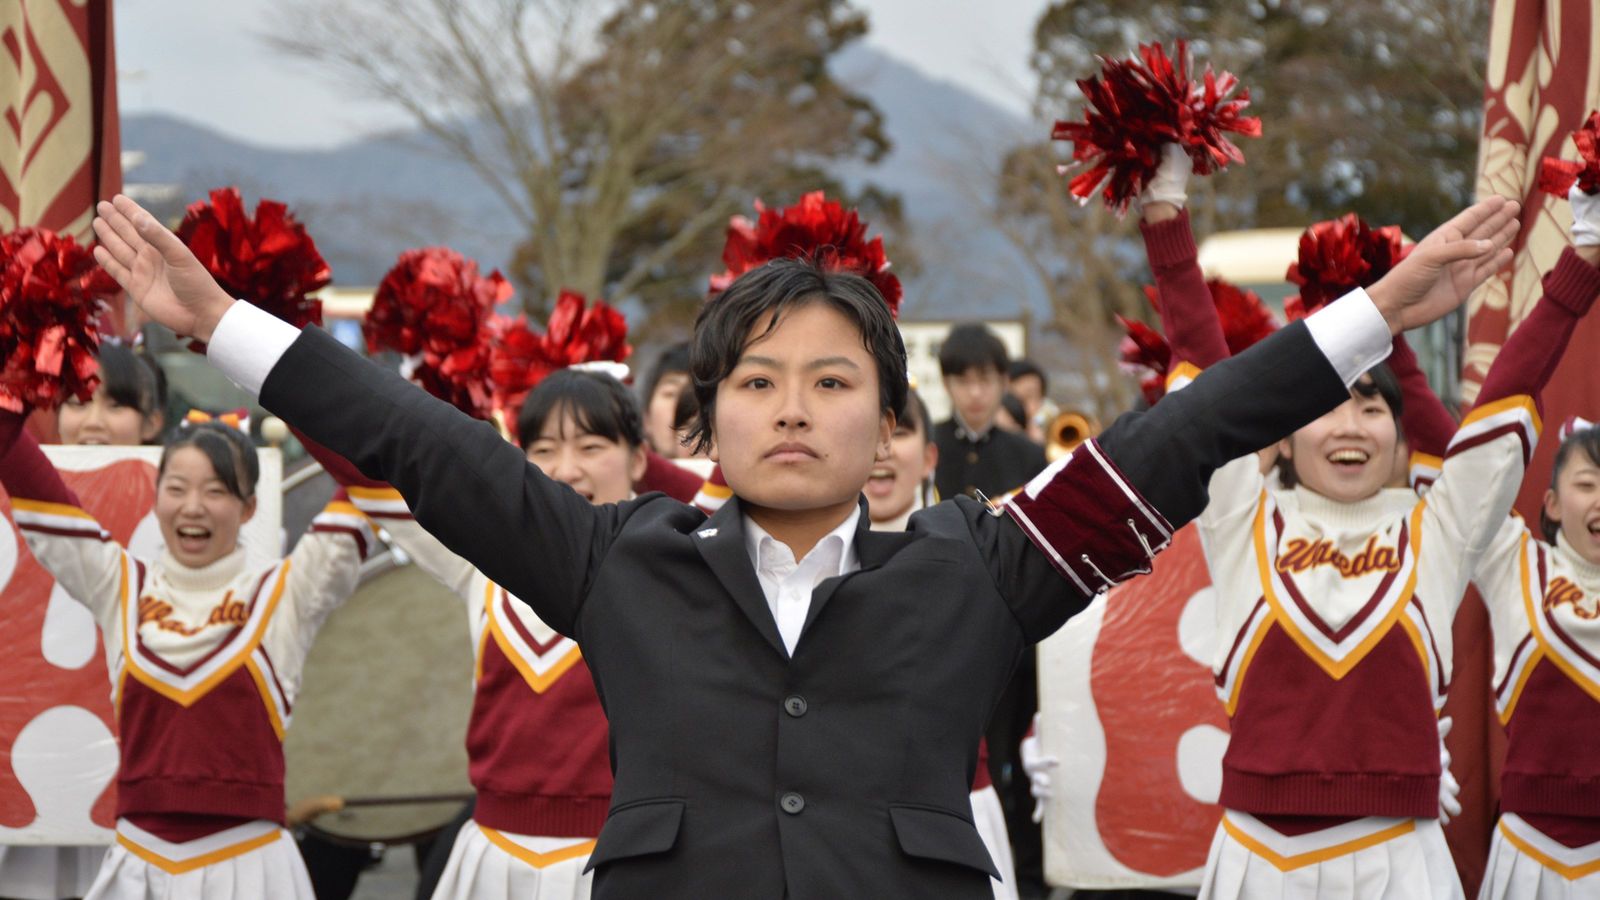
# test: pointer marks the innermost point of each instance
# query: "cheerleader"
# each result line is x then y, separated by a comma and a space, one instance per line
126, 409
205, 651
1334, 591
537, 738
898, 486
1544, 608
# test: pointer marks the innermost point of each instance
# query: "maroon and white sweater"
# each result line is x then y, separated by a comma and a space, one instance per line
537, 740
1324, 606
205, 663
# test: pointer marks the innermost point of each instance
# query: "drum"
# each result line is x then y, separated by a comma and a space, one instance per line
381, 720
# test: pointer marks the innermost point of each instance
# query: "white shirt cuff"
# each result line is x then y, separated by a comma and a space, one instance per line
1352, 334
247, 342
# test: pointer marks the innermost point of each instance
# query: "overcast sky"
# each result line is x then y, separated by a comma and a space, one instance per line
204, 60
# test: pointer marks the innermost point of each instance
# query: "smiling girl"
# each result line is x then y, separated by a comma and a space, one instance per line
1544, 606
204, 649
128, 407
1333, 591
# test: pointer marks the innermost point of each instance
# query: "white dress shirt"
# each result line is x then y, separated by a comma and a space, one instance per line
787, 582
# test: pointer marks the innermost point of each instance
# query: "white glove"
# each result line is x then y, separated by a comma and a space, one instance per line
1448, 786
1038, 765
1585, 217
1171, 182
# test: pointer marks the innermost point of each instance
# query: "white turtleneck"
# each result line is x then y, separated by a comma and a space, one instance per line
183, 613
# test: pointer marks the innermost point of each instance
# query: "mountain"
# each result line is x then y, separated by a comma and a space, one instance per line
367, 200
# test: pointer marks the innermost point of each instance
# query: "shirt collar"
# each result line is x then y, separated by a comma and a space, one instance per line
836, 552
967, 432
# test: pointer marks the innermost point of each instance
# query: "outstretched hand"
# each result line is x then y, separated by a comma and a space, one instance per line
1448, 265
157, 270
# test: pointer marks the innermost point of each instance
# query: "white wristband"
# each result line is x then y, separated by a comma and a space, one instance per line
1171, 181
1585, 217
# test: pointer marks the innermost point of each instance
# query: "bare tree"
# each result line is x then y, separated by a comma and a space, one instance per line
620, 141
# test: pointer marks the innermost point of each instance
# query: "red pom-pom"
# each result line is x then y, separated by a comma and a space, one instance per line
268, 259
520, 358
434, 308
1557, 176
1244, 317
1146, 355
1137, 105
580, 334
51, 294
816, 228
1338, 256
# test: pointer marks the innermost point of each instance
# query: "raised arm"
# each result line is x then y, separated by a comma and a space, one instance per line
66, 540
1427, 425
1484, 465
465, 484
1188, 315
1098, 516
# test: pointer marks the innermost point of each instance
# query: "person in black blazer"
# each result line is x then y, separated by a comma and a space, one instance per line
769, 743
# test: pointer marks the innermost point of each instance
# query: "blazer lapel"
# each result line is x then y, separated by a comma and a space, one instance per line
721, 543
873, 549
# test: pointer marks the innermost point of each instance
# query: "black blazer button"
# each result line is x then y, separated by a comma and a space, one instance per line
795, 705
792, 803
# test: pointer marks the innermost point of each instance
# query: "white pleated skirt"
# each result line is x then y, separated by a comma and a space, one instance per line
990, 818
1368, 859
1524, 864
254, 861
486, 864
48, 873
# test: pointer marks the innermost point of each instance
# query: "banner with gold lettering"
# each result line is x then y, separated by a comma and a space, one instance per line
57, 751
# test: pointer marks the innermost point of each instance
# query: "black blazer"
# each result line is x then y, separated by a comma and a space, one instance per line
742, 772
999, 463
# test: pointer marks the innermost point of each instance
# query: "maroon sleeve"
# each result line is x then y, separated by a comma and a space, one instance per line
24, 469
340, 469
1188, 315
1427, 423
1529, 357
664, 475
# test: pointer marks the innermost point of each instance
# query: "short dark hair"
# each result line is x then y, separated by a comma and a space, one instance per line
673, 360
1378, 381
133, 379
972, 346
726, 326
598, 403
1022, 368
1584, 440
683, 412
229, 450
916, 417
1012, 404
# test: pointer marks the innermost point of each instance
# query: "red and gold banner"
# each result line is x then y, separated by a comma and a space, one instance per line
61, 151
1543, 78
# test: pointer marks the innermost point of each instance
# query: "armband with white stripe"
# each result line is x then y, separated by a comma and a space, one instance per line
1089, 521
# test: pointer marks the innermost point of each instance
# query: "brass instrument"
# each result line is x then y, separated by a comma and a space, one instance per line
1066, 431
